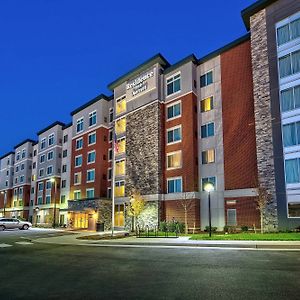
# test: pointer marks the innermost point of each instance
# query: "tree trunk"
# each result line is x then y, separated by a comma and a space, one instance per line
185, 221
261, 222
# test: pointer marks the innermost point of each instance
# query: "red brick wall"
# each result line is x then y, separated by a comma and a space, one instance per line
240, 163
188, 145
174, 208
246, 211
100, 166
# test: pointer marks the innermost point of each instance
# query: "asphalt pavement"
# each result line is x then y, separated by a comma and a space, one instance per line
48, 271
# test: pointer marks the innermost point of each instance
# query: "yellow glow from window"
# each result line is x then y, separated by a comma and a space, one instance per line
122, 145
120, 126
207, 104
174, 160
120, 191
210, 155
121, 106
120, 167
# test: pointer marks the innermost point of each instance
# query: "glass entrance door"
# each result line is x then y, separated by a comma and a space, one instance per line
119, 215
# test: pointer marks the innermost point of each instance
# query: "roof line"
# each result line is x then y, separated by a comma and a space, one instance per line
181, 62
7, 154
23, 142
50, 126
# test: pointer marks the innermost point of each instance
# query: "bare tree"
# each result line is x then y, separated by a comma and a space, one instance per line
136, 206
262, 201
187, 203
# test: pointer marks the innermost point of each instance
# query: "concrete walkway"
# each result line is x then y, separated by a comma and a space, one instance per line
72, 239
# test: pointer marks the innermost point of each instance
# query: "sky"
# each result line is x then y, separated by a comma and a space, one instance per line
56, 55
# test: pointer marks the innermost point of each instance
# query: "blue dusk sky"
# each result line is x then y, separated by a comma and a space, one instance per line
55, 55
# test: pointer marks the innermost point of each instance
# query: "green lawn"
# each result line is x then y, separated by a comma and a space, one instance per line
293, 236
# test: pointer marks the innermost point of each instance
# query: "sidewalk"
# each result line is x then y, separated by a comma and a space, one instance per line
71, 239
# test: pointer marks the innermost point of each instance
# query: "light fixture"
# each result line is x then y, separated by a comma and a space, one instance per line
209, 187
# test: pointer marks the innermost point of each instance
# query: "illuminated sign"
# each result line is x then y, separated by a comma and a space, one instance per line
139, 84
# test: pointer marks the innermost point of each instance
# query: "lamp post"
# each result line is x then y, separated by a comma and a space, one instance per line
53, 181
36, 215
4, 202
209, 187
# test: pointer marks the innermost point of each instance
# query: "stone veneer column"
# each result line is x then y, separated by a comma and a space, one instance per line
262, 111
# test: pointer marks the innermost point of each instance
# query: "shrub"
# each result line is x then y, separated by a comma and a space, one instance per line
171, 226
213, 229
244, 228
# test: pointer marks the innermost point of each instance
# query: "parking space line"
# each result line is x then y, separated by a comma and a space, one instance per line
24, 243
5, 245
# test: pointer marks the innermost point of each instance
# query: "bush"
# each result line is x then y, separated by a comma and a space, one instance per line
171, 226
244, 228
213, 229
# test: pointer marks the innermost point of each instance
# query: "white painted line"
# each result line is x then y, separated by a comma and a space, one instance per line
23, 243
5, 245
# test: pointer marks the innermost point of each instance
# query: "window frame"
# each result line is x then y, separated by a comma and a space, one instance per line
172, 129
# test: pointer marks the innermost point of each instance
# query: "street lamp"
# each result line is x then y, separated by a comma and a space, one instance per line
53, 181
5, 200
209, 187
36, 215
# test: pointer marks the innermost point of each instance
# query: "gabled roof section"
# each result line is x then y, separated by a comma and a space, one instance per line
225, 48
100, 97
190, 58
7, 154
50, 126
158, 58
24, 142
253, 9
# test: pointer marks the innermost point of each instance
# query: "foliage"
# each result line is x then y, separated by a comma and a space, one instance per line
171, 226
213, 229
244, 228
230, 229
136, 206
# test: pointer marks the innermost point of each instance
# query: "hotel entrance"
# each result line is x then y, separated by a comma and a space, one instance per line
119, 215
80, 220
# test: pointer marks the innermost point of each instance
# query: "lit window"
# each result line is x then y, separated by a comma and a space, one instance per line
120, 167
174, 160
92, 118
174, 111
92, 138
90, 193
122, 145
174, 185
91, 157
207, 104
173, 84
79, 125
90, 175
206, 180
79, 144
120, 105
174, 135
120, 188
77, 178
77, 195
120, 126
63, 199
208, 156
51, 139
78, 161
207, 130
206, 79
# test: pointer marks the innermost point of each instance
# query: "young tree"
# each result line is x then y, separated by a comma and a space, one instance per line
187, 203
263, 199
136, 206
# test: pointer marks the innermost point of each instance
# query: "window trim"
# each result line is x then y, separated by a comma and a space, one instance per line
170, 154
89, 189
91, 115
166, 84
79, 121
205, 74
76, 174
88, 171
92, 133
79, 139
87, 157
172, 129
77, 166
174, 178
211, 96
173, 104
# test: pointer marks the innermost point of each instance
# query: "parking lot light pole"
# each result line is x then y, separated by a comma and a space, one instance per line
209, 187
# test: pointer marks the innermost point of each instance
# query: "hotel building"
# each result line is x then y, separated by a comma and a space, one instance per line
231, 118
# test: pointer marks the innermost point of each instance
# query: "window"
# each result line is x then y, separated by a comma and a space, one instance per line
121, 145
34, 152
79, 125
16, 180
48, 199
41, 186
22, 166
77, 178
120, 188
231, 217
289, 64
18, 156
21, 178
79, 144
34, 165
6, 182
32, 190
63, 199
110, 154
92, 118
206, 180
42, 158
174, 135
50, 155
41, 172
90, 175
288, 32
173, 84
17, 169
23, 153
206, 79
77, 195
292, 170
120, 167
65, 138
92, 138
109, 174
64, 168
51, 139
78, 161
63, 183
49, 170
110, 135
291, 134
207, 130
40, 200
90, 193
48, 185
111, 115
207, 104
43, 143
109, 193
174, 111
174, 160
120, 126
91, 157
121, 105
65, 153
174, 185
290, 99
208, 156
